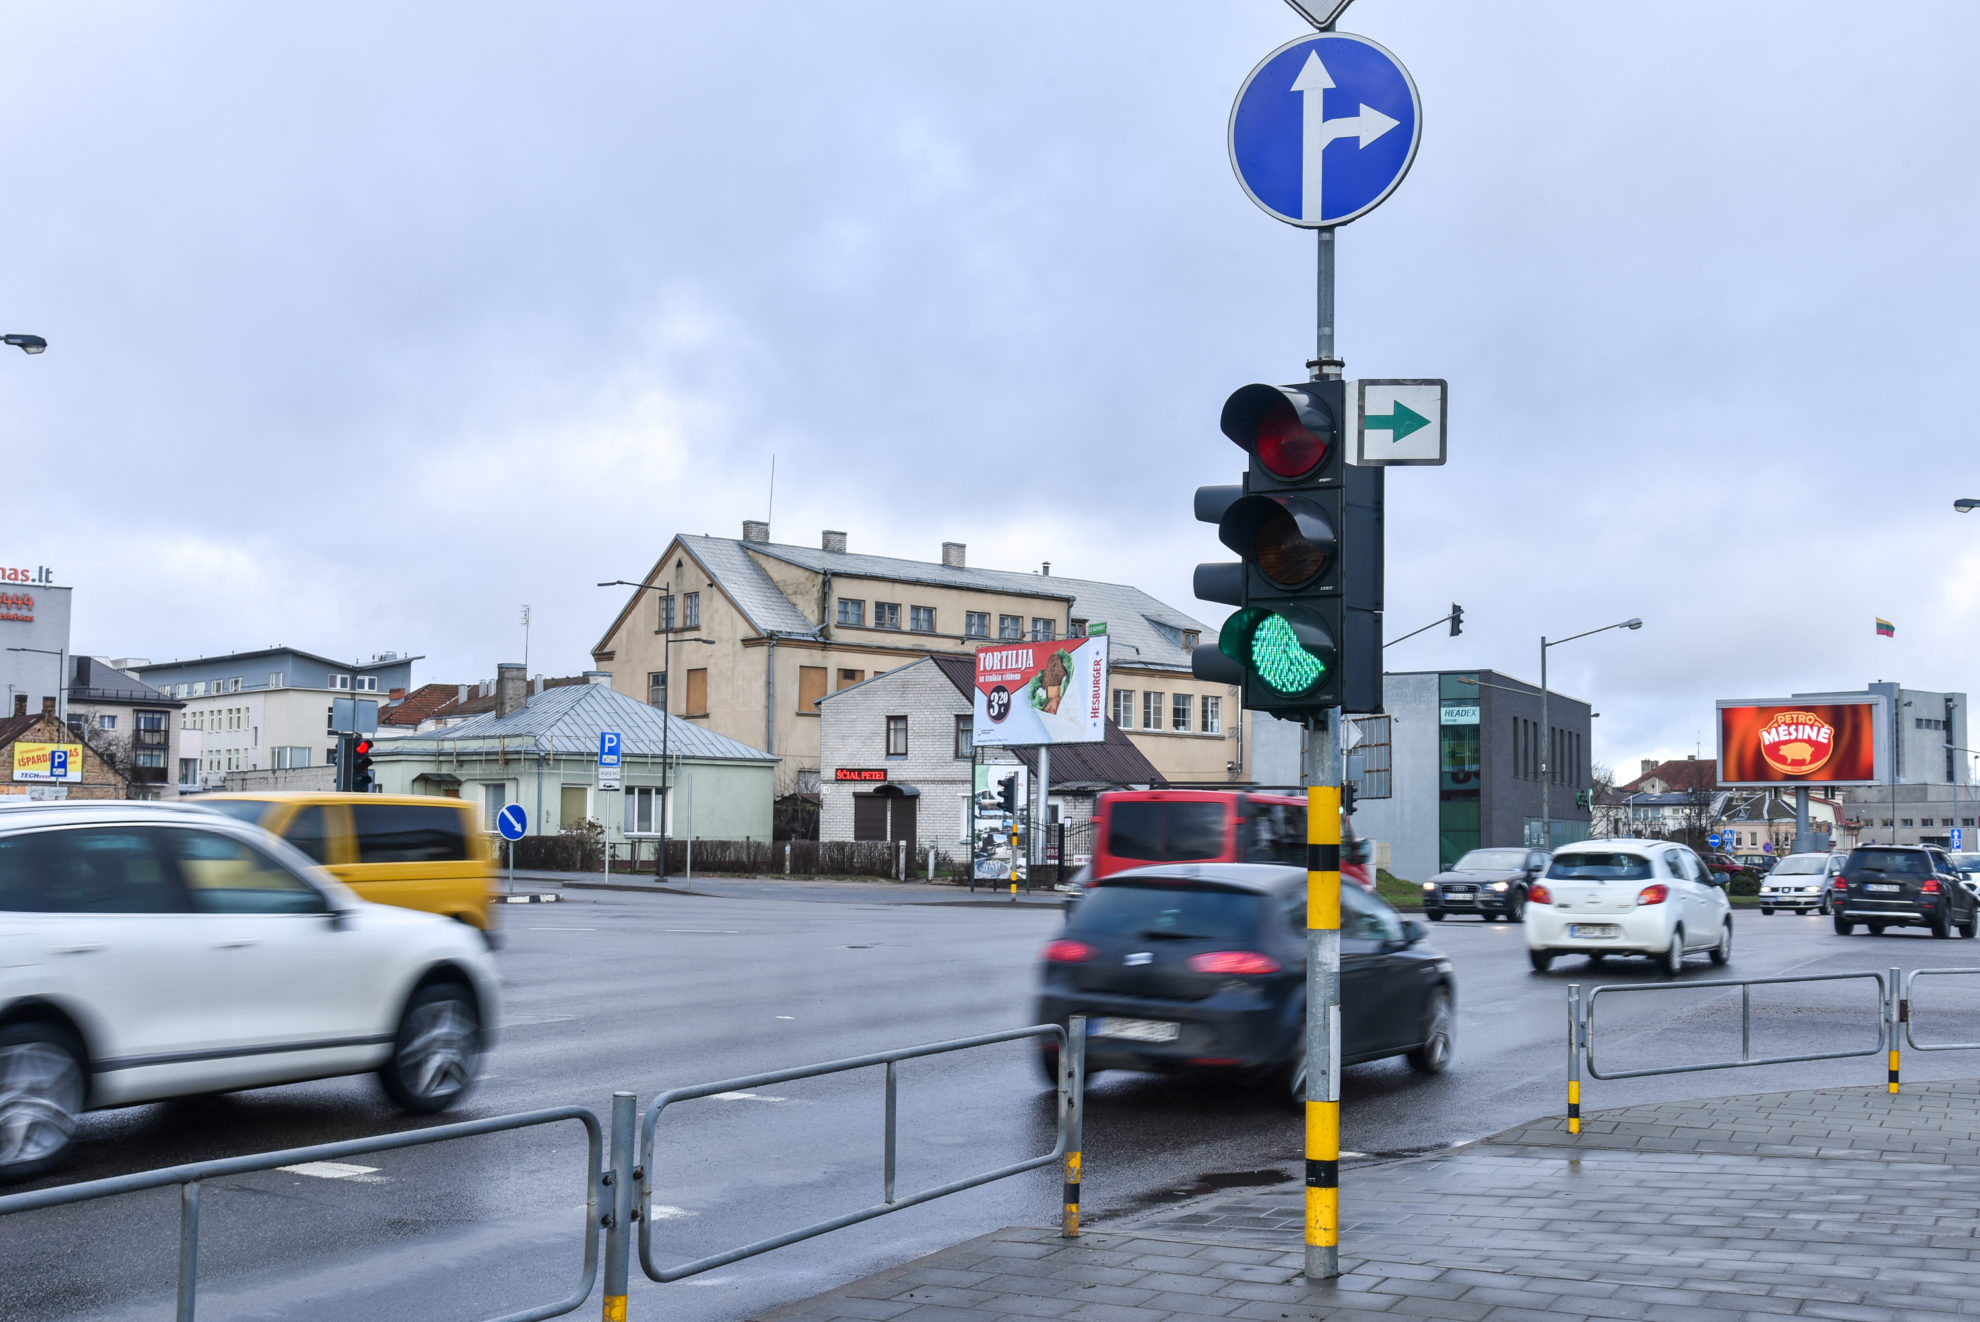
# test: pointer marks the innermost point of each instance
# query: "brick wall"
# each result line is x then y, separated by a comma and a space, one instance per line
99, 779
853, 734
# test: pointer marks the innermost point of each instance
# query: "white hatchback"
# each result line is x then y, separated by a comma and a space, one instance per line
151, 951
1627, 897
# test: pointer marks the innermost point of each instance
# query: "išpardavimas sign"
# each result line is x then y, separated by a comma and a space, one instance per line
1041, 693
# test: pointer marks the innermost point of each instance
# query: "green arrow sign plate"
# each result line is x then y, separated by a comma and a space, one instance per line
1400, 422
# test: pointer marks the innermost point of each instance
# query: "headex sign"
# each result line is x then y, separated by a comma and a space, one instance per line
1799, 743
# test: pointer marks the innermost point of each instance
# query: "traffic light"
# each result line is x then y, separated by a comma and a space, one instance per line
1307, 528
1007, 794
362, 776
344, 742
1457, 619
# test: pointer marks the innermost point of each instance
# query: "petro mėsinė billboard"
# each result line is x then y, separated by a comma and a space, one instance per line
1790, 742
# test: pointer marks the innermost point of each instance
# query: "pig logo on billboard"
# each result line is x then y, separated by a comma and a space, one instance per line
1796, 743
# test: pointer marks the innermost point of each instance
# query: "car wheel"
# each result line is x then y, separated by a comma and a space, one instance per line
1843, 926
1542, 960
1288, 1082
1723, 952
42, 1086
436, 1050
1439, 1027
1672, 960
1942, 923
1519, 908
1766, 911
1434, 915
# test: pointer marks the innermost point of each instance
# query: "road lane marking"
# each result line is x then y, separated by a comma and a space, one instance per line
563, 929
525, 1020
660, 1212
745, 1097
705, 931
787, 1016
330, 1170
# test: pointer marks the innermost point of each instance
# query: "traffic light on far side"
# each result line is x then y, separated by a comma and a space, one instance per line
1007, 794
363, 778
1457, 619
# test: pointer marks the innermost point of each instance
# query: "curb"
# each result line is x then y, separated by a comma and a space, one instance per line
539, 898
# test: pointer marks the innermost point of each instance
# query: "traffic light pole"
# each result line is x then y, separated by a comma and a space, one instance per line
1322, 774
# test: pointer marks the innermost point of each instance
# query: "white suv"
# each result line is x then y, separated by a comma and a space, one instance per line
151, 951
1627, 897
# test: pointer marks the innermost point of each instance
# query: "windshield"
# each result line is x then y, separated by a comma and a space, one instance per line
1966, 862
1173, 831
1599, 867
1889, 860
1797, 864
1492, 860
1169, 911
241, 810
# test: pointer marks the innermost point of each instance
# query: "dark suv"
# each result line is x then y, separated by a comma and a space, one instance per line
1201, 968
1884, 886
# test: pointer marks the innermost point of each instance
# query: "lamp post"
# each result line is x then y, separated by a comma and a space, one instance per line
26, 343
61, 674
1547, 734
1966, 504
666, 701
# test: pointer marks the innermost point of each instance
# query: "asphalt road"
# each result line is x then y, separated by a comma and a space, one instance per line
645, 992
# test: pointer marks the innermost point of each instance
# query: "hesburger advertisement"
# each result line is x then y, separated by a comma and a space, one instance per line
1798, 743
1047, 692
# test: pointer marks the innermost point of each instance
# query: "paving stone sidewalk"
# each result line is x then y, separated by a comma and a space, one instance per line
1839, 1203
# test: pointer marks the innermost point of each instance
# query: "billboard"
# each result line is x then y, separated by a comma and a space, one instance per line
63, 762
1043, 692
1790, 742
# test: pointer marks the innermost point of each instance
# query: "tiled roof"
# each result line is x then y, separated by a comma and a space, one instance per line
1684, 773
13, 727
568, 719
419, 704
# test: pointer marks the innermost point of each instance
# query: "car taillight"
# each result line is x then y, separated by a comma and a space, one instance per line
1068, 952
1931, 886
1840, 884
1539, 894
1653, 894
1233, 961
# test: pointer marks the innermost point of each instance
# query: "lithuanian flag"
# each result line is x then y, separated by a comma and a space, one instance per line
1885, 629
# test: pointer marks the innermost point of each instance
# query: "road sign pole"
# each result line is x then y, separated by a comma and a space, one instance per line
1322, 774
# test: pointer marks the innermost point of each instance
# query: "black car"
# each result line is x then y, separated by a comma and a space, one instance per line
1491, 883
1884, 886
1201, 967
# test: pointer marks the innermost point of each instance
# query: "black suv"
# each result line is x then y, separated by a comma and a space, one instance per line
1902, 886
1201, 968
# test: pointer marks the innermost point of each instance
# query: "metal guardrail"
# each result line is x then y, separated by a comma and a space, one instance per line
611, 1184
1071, 1087
1910, 999
190, 1176
1581, 1029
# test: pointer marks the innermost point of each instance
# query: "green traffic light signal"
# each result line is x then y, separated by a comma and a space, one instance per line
1286, 655
1280, 661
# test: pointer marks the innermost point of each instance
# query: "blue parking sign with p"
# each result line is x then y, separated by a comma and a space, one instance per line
58, 763
608, 748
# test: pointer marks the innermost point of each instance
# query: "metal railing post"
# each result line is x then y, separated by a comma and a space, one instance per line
1072, 1117
892, 1089
1574, 1058
188, 1249
1745, 1022
617, 1223
1900, 1011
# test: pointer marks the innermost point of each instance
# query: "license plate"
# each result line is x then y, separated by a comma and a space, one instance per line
1457, 899
1136, 1030
1594, 929
1881, 886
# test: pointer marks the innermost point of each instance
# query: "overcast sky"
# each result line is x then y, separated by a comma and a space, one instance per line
369, 323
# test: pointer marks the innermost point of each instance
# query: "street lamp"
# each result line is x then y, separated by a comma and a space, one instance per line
61, 672
1966, 505
26, 343
1546, 734
666, 701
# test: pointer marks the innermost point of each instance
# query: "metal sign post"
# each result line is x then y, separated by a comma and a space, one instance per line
1322, 774
512, 821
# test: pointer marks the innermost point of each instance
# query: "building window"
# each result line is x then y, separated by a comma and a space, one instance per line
921, 619
811, 687
494, 798
1887, 823
329, 757
690, 610
886, 614
897, 736
976, 624
848, 678
1191, 638
234, 684
1043, 630
965, 737
1904, 821
1179, 712
290, 758
365, 683
851, 612
1124, 708
1213, 715
189, 771
1010, 627
643, 804
1151, 710
1075, 628
697, 693
336, 682
274, 679
106, 721
656, 689
199, 689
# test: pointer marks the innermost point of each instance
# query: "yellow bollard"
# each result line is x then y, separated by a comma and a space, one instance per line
1323, 1105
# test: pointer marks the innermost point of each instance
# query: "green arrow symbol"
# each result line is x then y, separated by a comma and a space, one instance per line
1398, 424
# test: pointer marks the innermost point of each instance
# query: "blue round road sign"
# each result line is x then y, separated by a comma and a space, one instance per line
1324, 129
1711, 842
512, 822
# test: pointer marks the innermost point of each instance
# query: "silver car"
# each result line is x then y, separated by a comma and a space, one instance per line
1800, 882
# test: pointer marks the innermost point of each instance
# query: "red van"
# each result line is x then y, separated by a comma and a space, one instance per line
1134, 828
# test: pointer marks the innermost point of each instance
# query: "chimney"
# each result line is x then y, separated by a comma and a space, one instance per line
48, 706
460, 693
510, 683
1649, 765
953, 555
396, 696
834, 541
598, 677
1046, 569
756, 530
536, 685
20, 704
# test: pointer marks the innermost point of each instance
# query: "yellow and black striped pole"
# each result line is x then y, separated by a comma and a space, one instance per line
1900, 1013
1323, 1011
1574, 1058
1072, 1117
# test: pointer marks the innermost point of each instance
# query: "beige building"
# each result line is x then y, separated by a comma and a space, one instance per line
789, 624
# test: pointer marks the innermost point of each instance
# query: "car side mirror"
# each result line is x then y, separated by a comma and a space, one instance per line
339, 919
1413, 932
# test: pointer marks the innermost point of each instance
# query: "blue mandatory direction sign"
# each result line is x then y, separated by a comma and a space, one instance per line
1324, 129
1711, 842
512, 821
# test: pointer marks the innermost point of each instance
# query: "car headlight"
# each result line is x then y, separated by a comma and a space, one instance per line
1429, 885
1498, 885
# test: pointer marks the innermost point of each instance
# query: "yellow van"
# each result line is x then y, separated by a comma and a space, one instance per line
413, 850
